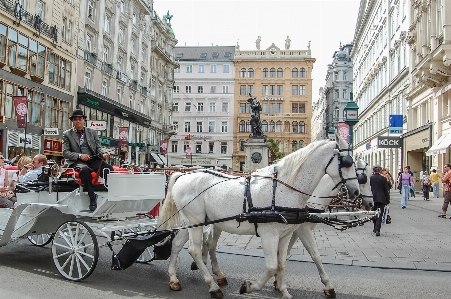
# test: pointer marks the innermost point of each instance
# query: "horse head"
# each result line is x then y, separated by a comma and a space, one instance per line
363, 172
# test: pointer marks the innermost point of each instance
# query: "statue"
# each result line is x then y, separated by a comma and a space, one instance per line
255, 117
237, 47
167, 17
287, 43
256, 126
309, 44
257, 42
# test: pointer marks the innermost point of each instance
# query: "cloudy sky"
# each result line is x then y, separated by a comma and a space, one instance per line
226, 22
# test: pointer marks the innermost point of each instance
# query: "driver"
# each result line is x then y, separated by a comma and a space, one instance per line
31, 171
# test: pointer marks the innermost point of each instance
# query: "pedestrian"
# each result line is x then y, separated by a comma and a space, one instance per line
405, 180
399, 186
435, 183
380, 189
426, 184
412, 186
446, 180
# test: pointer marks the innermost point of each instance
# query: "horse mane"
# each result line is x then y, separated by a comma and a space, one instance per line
297, 158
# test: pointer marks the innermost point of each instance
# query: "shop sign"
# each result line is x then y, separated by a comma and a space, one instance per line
50, 131
343, 131
53, 146
21, 108
98, 125
22, 140
123, 136
92, 102
272, 98
388, 142
192, 136
136, 144
197, 161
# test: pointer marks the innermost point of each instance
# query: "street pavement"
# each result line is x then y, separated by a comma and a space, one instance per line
415, 240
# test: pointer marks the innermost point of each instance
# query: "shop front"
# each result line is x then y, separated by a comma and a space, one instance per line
19, 143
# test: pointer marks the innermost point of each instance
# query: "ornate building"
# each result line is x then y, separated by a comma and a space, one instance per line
282, 82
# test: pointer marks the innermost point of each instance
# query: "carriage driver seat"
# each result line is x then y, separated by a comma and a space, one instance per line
70, 172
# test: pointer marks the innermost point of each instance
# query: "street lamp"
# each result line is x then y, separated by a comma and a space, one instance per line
351, 113
331, 133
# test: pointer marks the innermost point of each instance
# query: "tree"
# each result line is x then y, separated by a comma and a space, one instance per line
274, 150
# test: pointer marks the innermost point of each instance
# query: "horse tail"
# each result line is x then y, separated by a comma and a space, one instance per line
169, 215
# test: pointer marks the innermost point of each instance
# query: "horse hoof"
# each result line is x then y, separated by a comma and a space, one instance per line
244, 287
222, 281
194, 266
276, 286
216, 294
330, 293
175, 286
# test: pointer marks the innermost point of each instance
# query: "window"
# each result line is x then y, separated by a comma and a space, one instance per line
121, 35
224, 125
241, 127
132, 45
211, 147
41, 9
250, 89
265, 90
301, 143
200, 89
242, 90
294, 125
264, 126
243, 73
301, 127
199, 127
241, 145
213, 89
174, 145
265, 73
134, 19
176, 89
250, 73
344, 75
143, 54
294, 90
271, 108
119, 63
91, 9
278, 126
211, 126
242, 107
294, 145
59, 71
189, 68
294, 73
272, 72
225, 68
88, 42
201, 68
175, 107
225, 89
264, 108
301, 108
223, 148
212, 107
107, 23
286, 126
187, 89
106, 51
63, 29
271, 126
336, 76
122, 7
105, 87
119, 95
200, 107
187, 107
87, 79
187, 127
213, 68
177, 70
279, 108
272, 90
225, 107
57, 113
198, 147
294, 108
279, 73
345, 94
302, 72
279, 90
302, 90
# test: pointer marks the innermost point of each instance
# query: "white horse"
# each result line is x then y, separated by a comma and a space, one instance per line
200, 196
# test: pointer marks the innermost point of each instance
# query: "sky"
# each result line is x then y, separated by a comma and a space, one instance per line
226, 22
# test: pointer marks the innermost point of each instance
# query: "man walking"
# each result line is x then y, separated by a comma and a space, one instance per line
380, 190
447, 192
82, 151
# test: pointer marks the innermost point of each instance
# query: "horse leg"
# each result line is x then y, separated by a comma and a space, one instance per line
270, 244
305, 233
195, 243
282, 261
204, 250
177, 244
293, 240
212, 245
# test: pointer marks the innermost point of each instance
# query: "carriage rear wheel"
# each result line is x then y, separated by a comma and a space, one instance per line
40, 240
75, 250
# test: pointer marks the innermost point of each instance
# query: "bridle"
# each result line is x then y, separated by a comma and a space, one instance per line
343, 162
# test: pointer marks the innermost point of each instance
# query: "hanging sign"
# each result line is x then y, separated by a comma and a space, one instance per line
21, 108
123, 136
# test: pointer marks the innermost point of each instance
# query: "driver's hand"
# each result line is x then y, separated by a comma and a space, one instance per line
106, 155
85, 157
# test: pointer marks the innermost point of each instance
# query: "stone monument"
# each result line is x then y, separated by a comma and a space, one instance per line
257, 149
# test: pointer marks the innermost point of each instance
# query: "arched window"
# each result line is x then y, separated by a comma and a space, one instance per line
272, 72
264, 126
295, 126
302, 72
265, 73
294, 73
248, 126
250, 73
279, 73
278, 126
241, 145
301, 127
243, 73
301, 143
242, 128
294, 145
286, 126
271, 126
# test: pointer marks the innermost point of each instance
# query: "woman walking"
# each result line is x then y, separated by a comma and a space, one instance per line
405, 179
435, 182
426, 184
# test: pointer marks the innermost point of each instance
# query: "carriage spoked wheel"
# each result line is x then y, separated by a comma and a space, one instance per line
75, 250
41, 239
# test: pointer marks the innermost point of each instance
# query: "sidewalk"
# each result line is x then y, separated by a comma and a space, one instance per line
416, 239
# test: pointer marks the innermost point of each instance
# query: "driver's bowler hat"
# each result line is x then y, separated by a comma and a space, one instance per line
76, 113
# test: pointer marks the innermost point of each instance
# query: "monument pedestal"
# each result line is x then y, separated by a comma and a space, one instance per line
257, 153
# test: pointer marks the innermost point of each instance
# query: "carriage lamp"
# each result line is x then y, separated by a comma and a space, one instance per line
351, 114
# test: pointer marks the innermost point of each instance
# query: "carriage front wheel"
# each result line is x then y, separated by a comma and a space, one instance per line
40, 240
75, 250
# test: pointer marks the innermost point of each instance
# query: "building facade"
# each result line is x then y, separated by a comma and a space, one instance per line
38, 62
282, 82
203, 107
381, 79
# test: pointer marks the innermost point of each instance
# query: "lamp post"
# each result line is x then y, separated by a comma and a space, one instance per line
351, 113
331, 133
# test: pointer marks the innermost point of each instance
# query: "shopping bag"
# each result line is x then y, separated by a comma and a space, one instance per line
386, 219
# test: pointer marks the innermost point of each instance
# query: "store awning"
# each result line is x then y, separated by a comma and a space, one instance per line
440, 146
163, 158
156, 159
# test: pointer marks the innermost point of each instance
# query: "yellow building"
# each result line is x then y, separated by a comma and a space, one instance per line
281, 80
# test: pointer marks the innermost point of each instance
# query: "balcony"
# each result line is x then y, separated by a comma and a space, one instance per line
134, 84
144, 90
155, 46
91, 57
107, 68
122, 76
169, 130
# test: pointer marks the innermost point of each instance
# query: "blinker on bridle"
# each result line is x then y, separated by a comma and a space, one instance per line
362, 178
343, 162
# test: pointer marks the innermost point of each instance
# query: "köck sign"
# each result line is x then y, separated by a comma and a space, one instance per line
388, 142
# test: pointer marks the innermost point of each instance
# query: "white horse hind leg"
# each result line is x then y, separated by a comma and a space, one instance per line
195, 244
282, 261
293, 240
212, 242
305, 234
177, 244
